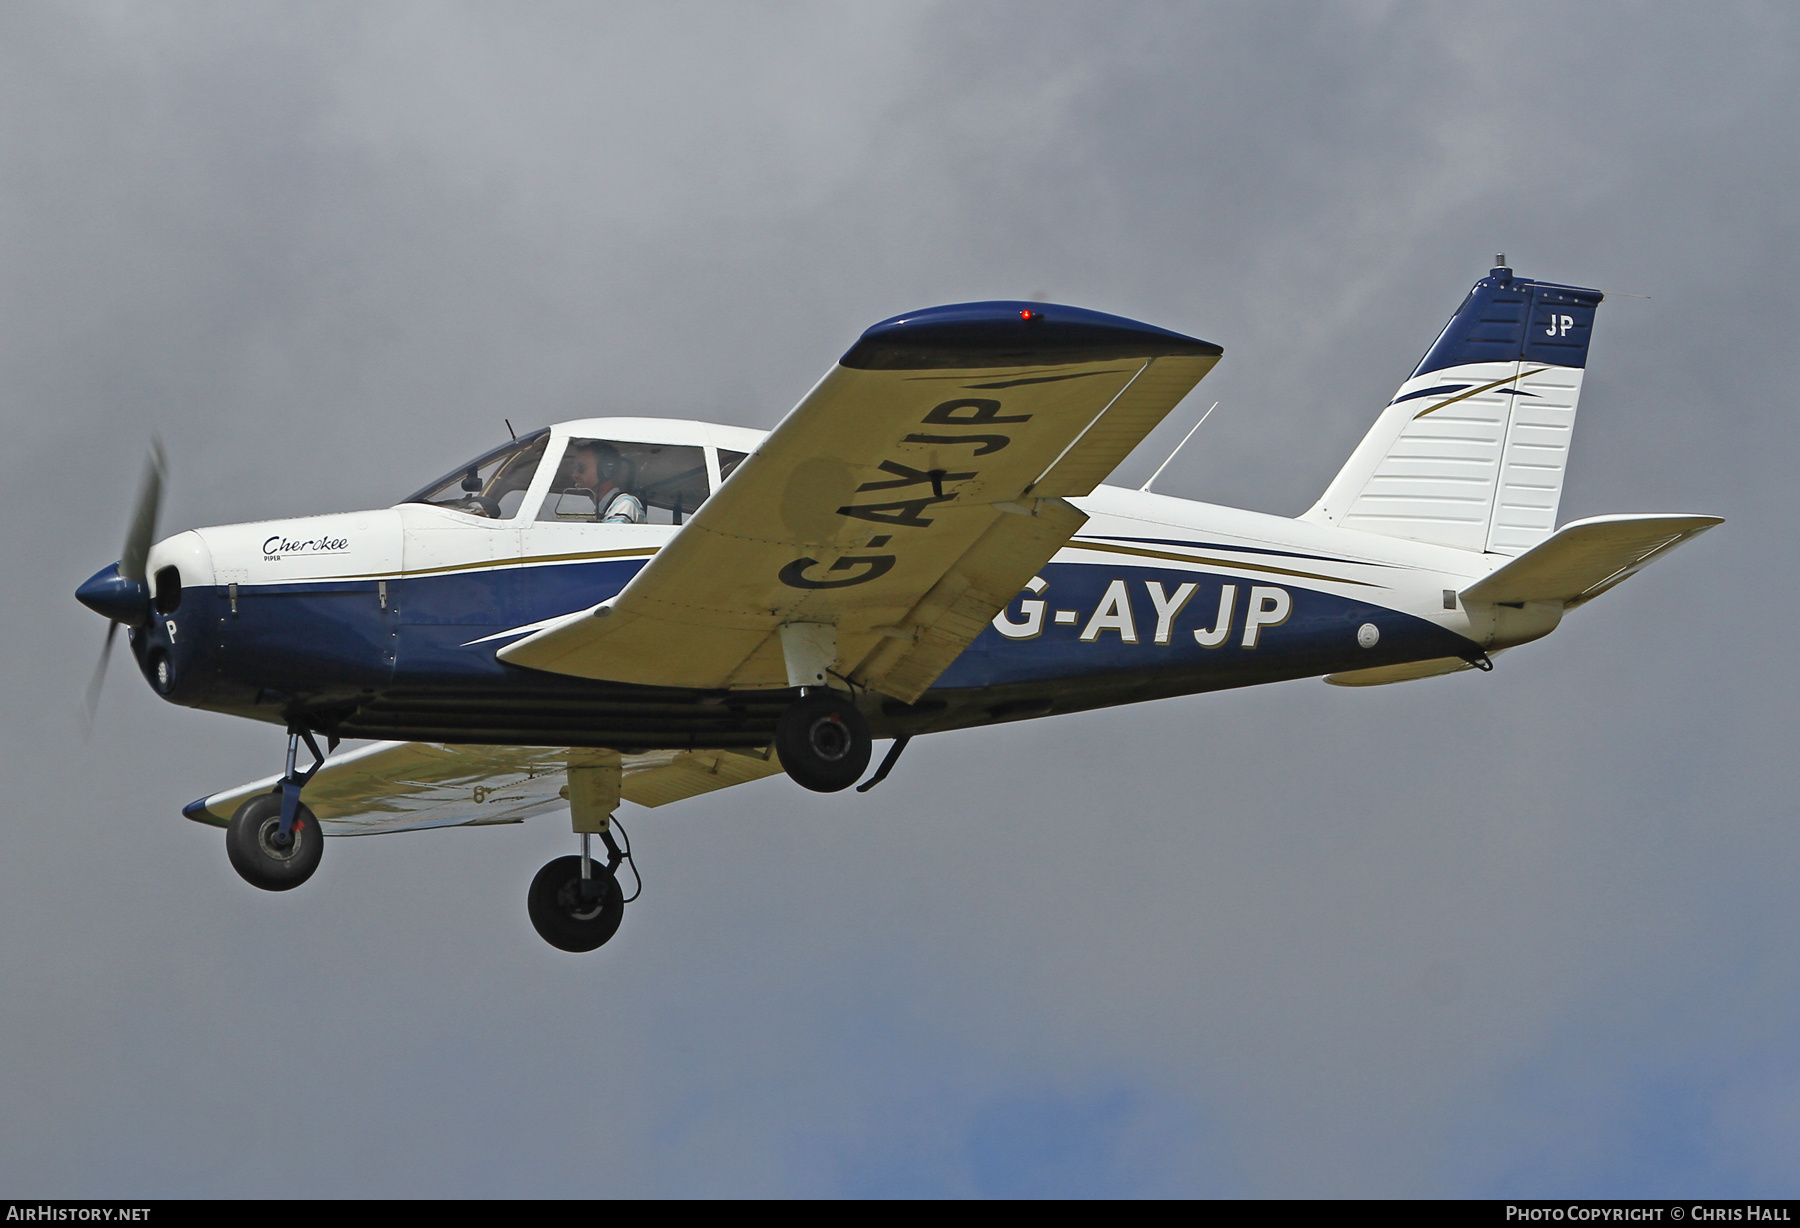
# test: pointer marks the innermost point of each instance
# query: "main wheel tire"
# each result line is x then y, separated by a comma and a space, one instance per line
250, 843
824, 743
563, 917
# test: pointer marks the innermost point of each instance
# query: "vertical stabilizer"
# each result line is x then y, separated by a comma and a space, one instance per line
1471, 451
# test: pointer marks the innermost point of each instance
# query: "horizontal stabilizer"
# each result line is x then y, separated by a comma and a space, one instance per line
1381, 675
1584, 558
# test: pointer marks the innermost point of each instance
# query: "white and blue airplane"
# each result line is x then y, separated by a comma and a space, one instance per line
643, 610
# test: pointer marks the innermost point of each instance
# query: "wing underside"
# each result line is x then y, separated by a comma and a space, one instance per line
407, 786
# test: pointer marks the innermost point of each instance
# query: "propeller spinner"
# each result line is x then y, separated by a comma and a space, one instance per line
121, 592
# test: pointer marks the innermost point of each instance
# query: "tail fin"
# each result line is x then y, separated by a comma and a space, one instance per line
1471, 450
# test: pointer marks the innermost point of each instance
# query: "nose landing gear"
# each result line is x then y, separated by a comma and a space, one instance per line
274, 842
260, 857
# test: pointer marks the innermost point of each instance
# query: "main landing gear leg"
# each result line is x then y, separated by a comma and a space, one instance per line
274, 842
576, 903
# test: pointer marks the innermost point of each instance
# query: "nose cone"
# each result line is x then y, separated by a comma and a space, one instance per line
108, 593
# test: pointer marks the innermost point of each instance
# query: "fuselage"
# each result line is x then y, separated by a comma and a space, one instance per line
384, 624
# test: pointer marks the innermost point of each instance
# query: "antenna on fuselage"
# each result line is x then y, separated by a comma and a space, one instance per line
509, 429
1180, 446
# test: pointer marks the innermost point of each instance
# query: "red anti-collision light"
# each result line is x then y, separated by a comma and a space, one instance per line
1028, 314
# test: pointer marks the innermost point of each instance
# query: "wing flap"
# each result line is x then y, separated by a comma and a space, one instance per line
950, 616
1584, 558
691, 773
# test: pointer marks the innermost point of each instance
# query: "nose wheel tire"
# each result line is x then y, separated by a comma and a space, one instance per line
253, 843
823, 742
572, 914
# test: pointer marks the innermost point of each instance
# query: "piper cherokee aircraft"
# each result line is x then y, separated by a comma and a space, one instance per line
646, 610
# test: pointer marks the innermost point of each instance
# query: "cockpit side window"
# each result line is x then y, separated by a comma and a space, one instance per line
613, 482
493, 484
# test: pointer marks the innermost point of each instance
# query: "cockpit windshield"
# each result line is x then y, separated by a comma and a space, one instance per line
614, 482
493, 484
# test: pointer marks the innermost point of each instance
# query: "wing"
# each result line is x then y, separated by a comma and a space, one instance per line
912, 493
1584, 558
405, 786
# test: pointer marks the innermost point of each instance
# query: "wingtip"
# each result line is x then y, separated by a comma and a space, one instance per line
197, 811
1007, 333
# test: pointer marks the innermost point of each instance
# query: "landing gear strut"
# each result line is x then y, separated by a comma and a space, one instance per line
823, 742
274, 842
575, 903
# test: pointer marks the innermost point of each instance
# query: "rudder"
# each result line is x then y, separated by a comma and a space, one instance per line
1471, 451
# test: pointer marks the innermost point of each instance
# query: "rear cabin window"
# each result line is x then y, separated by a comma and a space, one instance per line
611, 482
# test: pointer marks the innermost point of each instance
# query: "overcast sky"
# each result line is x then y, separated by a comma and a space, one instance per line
1522, 933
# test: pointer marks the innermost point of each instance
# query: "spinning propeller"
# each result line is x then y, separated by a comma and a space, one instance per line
121, 592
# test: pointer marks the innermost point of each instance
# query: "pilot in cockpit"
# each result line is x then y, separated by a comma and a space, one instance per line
598, 469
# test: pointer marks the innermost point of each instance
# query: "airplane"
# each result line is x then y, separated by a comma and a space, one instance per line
646, 610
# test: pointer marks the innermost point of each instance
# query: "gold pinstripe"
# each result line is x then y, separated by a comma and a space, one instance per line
490, 564
1230, 563
1463, 396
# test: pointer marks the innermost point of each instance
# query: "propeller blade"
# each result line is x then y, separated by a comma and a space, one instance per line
142, 534
93, 692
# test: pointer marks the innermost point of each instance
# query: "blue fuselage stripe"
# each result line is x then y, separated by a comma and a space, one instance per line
298, 640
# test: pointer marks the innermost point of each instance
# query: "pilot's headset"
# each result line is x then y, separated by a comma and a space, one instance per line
611, 465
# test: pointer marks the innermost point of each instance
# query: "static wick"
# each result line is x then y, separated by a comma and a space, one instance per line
1179, 446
